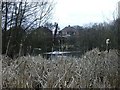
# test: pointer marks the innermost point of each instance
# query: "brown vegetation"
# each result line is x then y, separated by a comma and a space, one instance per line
89, 71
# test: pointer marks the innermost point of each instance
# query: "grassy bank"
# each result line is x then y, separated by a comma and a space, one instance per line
92, 70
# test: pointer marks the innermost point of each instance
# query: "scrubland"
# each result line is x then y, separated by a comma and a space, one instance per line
91, 70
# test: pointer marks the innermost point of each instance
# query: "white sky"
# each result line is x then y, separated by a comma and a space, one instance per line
82, 12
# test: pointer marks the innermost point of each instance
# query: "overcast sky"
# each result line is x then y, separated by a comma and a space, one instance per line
82, 12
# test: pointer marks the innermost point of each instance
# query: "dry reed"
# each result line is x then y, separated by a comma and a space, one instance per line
92, 70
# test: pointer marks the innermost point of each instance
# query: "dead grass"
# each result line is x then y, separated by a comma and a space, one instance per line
89, 71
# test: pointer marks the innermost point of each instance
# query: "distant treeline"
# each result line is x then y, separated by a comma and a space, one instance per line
94, 37
20, 42
24, 33
16, 41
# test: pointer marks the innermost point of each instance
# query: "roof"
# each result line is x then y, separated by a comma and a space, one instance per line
68, 29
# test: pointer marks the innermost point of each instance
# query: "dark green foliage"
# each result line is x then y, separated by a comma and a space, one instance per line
40, 38
117, 31
14, 37
95, 36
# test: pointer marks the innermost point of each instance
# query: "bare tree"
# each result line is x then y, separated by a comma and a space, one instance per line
23, 13
25, 16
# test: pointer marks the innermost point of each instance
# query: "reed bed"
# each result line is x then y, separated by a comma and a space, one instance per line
92, 70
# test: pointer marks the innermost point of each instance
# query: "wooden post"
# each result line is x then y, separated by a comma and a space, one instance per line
54, 36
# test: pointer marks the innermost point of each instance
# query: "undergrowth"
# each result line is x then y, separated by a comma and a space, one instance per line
92, 70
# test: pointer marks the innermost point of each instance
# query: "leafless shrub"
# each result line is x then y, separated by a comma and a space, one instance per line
89, 71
